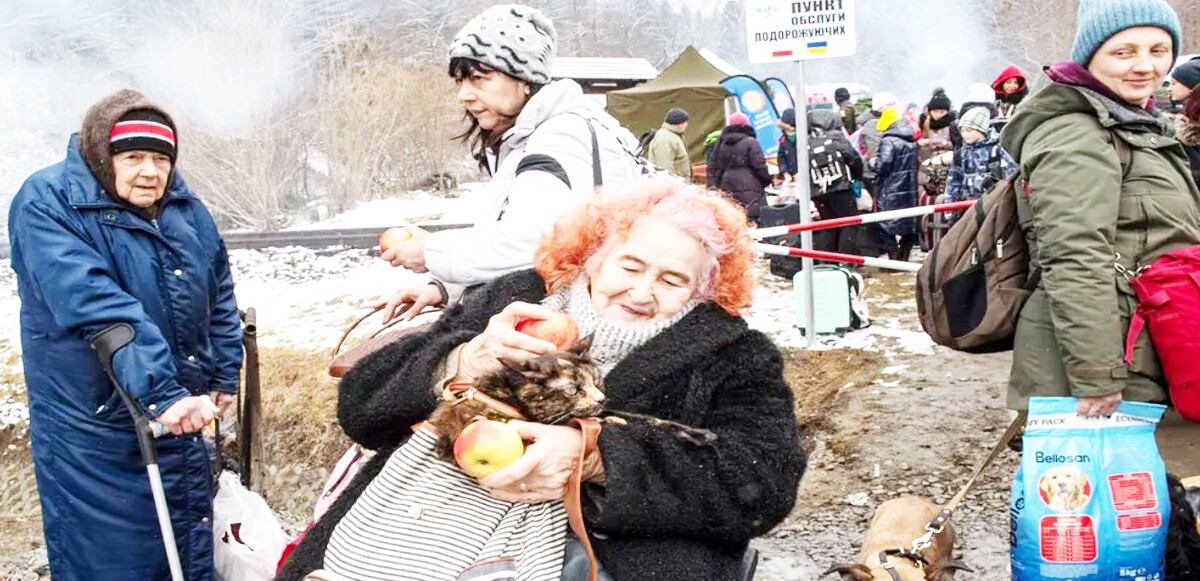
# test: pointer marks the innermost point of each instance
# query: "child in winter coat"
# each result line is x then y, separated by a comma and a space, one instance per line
981, 162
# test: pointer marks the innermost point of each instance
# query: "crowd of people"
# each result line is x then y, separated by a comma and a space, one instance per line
655, 270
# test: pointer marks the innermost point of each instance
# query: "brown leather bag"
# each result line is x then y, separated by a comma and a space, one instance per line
384, 336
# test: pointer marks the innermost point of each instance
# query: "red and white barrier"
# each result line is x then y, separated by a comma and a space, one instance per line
838, 257
761, 233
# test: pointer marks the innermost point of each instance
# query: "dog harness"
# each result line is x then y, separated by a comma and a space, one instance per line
914, 556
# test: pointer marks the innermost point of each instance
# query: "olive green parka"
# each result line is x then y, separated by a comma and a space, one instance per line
667, 151
1083, 213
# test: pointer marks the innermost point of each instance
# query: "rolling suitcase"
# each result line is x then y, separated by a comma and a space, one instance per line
837, 300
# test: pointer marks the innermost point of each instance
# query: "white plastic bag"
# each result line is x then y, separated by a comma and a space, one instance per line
247, 537
865, 202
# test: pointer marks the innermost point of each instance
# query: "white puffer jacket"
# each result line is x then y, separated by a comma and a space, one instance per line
544, 169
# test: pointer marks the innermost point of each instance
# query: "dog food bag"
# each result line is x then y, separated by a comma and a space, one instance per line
1090, 500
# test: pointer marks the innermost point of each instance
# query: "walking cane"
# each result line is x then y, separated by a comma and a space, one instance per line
106, 343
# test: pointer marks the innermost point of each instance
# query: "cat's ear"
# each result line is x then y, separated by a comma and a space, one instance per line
582, 346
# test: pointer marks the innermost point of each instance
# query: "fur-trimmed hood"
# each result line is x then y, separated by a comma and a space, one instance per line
98, 124
1187, 132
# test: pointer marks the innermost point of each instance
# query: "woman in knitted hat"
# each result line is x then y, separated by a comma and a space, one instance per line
544, 144
739, 166
657, 274
935, 122
1185, 88
937, 128
113, 235
1104, 183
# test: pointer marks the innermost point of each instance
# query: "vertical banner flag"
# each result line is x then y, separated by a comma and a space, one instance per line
753, 101
780, 95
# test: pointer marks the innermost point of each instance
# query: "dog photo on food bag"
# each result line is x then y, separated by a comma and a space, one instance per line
1090, 498
1065, 489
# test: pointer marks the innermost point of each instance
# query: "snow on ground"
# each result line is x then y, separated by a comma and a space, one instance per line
774, 313
415, 207
306, 298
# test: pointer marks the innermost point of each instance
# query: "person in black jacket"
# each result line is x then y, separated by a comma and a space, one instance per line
739, 166
896, 182
789, 164
1185, 89
662, 306
835, 198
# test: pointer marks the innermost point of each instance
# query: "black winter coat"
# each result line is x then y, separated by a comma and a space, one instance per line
896, 176
1188, 134
670, 510
740, 168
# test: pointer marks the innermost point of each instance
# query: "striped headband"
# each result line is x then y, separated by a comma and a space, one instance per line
142, 130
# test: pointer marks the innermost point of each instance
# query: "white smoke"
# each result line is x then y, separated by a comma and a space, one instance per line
214, 64
908, 47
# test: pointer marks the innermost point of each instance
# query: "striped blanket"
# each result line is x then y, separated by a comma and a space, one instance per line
424, 519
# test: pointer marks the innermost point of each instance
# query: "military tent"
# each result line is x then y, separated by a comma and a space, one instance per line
691, 83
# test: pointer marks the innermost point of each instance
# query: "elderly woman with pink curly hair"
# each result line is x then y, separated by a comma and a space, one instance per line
657, 273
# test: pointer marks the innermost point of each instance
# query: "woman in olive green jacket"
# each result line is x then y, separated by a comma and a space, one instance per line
1090, 216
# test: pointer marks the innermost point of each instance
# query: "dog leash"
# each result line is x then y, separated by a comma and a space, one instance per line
590, 428
938, 523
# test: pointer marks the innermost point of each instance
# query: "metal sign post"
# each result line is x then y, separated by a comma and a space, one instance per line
785, 30
806, 280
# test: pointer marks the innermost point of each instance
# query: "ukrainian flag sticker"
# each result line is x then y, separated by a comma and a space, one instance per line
817, 47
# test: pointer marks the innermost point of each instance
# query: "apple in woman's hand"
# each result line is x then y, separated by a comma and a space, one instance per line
392, 237
485, 446
559, 329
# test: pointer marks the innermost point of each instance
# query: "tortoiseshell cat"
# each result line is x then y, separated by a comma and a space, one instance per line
550, 389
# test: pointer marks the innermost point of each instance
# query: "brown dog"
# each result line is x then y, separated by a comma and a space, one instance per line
896, 524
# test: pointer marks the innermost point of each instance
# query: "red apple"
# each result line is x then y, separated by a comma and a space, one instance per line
559, 329
392, 237
486, 446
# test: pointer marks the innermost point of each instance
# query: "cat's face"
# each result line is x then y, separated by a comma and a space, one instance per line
554, 387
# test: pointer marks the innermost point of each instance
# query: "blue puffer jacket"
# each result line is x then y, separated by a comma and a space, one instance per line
977, 167
896, 176
84, 262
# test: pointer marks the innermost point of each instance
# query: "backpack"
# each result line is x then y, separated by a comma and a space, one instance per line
644, 142
1169, 301
827, 169
972, 285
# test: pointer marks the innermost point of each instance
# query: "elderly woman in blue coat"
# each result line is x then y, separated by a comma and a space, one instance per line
112, 234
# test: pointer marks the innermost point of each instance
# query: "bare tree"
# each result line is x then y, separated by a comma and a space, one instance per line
383, 124
246, 181
1037, 33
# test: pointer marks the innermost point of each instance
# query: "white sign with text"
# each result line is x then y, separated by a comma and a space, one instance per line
786, 30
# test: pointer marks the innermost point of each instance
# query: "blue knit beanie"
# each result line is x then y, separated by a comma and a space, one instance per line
1098, 20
